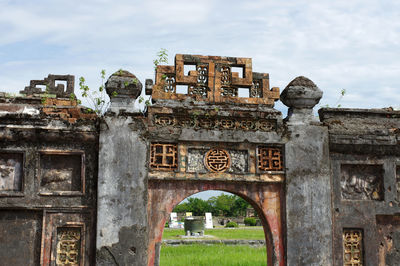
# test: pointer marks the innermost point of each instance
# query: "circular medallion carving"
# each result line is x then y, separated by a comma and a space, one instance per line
217, 160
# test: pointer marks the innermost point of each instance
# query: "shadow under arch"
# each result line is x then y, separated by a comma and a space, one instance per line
164, 195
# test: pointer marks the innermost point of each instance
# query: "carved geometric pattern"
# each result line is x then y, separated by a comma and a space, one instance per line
248, 125
255, 90
202, 74
68, 246
170, 85
163, 156
229, 91
215, 79
231, 123
269, 159
217, 160
198, 90
164, 120
352, 247
225, 76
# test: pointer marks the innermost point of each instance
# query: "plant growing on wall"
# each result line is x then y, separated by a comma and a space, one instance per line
337, 103
97, 99
161, 58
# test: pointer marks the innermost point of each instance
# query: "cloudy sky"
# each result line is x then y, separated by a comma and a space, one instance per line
352, 45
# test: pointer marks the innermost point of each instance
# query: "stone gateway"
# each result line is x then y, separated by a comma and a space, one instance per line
78, 189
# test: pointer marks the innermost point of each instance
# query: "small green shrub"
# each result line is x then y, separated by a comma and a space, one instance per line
231, 224
250, 221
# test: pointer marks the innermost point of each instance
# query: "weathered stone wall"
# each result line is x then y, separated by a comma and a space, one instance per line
48, 181
364, 154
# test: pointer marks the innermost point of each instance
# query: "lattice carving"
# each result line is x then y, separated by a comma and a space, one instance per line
269, 159
352, 247
256, 89
68, 246
163, 156
229, 92
217, 160
213, 80
230, 123
225, 76
202, 75
197, 90
170, 85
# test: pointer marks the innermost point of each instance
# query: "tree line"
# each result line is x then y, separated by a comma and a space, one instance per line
222, 205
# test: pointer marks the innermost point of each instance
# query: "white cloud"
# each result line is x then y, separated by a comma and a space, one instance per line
338, 44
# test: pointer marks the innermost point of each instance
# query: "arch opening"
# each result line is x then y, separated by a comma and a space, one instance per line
265, 199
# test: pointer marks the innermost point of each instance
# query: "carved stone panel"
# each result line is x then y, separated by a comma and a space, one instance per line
61, 172
269, 158
352, 247
68, 246
11, 168
164, 156
196, 161
20, 237
67, 239
361, 182
217, 160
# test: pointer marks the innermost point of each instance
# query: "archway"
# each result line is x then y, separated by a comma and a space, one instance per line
163, 195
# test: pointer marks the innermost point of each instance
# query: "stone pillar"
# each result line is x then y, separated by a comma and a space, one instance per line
122, 232
308, 186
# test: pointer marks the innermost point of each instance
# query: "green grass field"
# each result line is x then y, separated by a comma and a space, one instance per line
208, 255
248, 233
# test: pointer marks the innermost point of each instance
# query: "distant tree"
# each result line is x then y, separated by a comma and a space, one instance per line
240, 206
224, 204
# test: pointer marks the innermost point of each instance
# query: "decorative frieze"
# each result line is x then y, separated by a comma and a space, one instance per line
68, 246
269, 159
352, 247
163, 156
207, 122
361, 182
